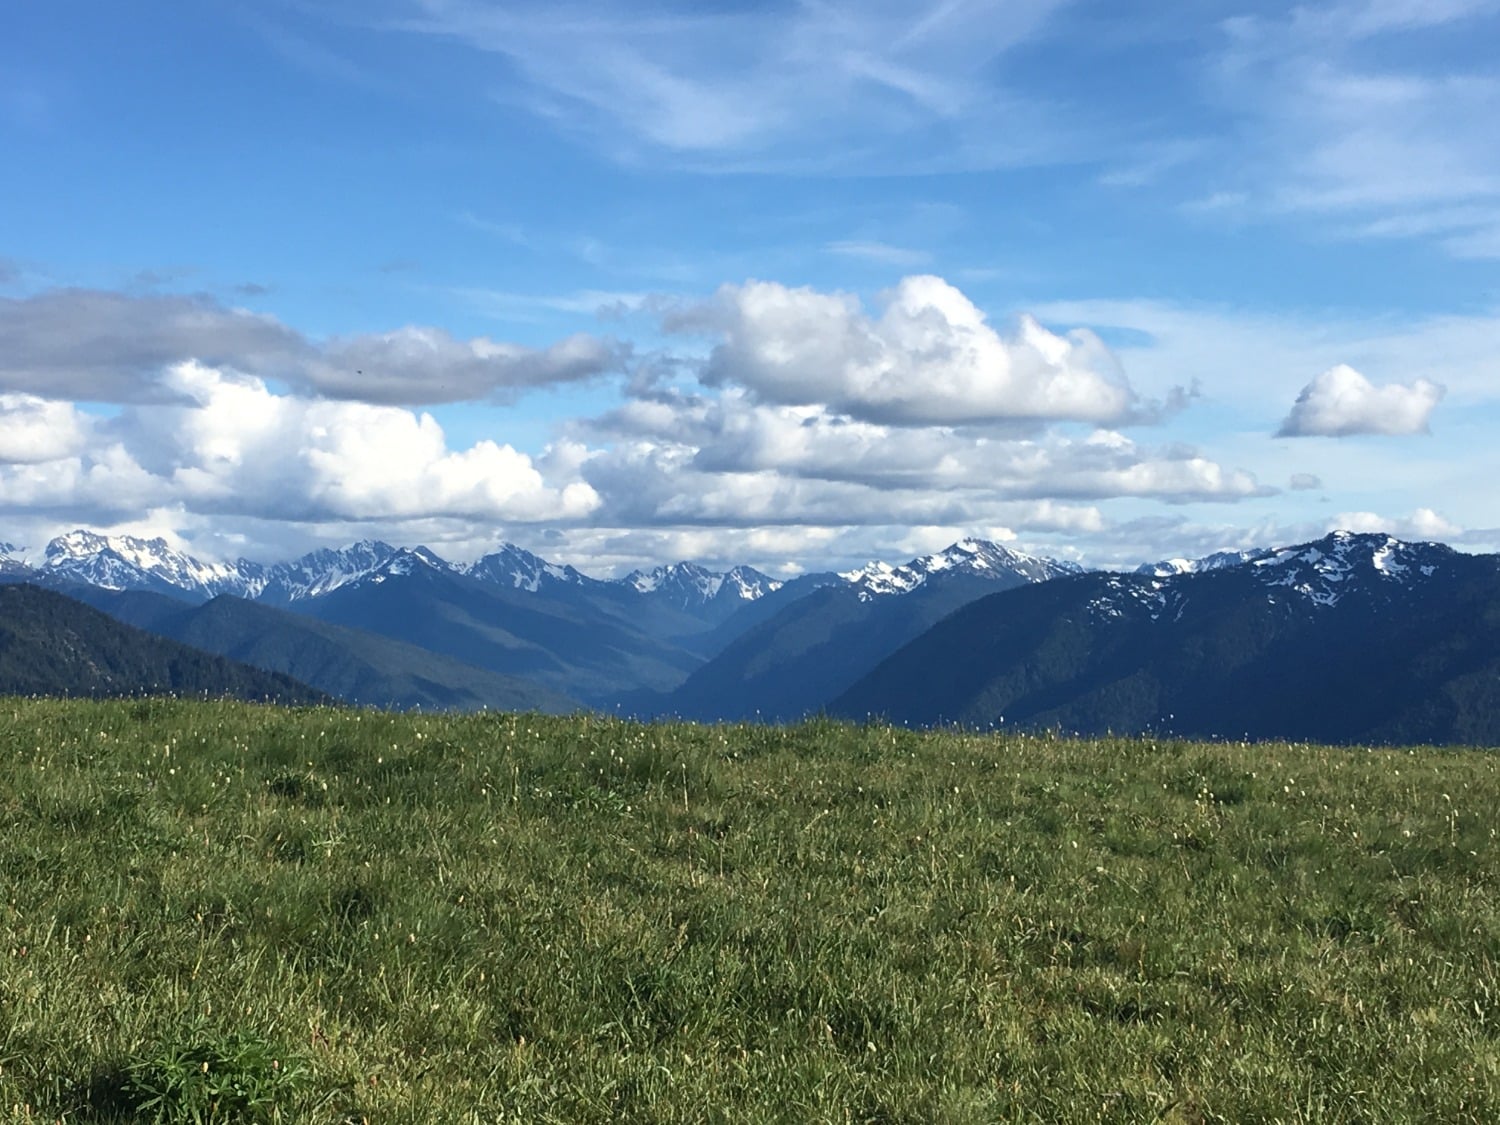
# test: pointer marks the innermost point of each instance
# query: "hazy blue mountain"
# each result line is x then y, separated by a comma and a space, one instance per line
567, 647
353, 665
814, 647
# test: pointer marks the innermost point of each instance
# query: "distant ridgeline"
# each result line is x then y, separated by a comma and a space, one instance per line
1351, 638
53, 645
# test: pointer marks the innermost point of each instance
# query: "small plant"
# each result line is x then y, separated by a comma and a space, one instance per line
203, 1077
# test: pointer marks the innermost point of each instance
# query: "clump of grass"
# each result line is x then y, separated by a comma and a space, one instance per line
204, 1078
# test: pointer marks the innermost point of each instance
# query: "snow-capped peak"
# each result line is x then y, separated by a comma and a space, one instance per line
970, 556
520, 569
1325, 570
1166, 568
690, 586
123, 562
684, 577
325, 570
408, 560
13, 559
748, 584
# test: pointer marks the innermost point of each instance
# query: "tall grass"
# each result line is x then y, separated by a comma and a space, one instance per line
356, 916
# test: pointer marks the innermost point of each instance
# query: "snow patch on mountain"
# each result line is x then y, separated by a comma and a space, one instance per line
402, 563
969, 556
1168, 568
1322, 573
1326, 570
1126, 595
13, 560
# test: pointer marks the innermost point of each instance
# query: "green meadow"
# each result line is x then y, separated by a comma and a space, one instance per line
223, 912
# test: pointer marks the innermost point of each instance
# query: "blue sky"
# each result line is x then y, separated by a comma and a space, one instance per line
785, 283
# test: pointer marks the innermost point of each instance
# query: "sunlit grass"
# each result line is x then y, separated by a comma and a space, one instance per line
482, 918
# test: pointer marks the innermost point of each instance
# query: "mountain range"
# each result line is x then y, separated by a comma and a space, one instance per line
124, 562
402, 627
794, 661
1347, 638
1351, 638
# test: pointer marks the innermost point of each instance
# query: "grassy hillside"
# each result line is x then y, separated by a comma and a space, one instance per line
343, 916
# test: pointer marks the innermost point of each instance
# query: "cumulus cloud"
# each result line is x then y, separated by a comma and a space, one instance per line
735, 435
34, 430
646, 486
1341, 402
1305, 482
814, 422
104, 346
930, 357
225, 444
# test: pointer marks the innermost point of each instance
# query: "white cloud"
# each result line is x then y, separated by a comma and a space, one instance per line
1341, 402
817, 422
735, 435
930, 357
1253, 361
225, 444
34, 430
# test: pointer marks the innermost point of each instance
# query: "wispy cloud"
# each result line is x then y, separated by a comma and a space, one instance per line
514, 233
304, 53
1363, 112
879, 252
832, 84
603, 304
